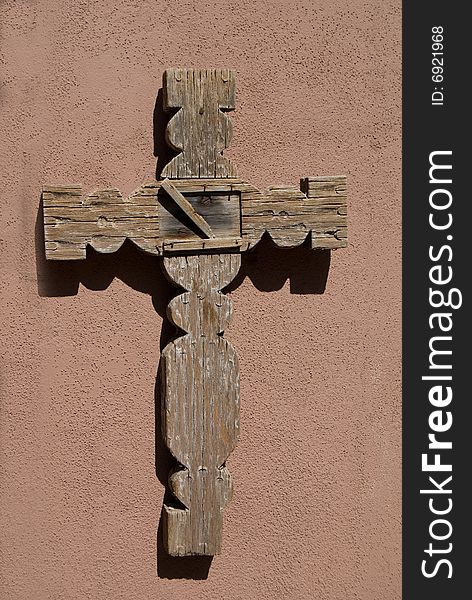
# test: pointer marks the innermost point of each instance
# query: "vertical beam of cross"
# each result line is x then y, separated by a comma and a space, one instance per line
200, 402
201, 393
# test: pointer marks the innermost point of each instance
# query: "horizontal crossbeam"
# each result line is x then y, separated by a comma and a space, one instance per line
235, 212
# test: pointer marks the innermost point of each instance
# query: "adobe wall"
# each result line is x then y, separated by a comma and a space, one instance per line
317, 505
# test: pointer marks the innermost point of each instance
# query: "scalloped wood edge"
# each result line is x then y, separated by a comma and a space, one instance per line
200, 402
199, 129
104, 219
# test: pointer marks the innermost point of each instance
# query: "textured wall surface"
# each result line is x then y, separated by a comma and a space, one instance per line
316, 511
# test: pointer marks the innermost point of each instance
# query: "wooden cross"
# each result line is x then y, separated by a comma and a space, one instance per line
199, 218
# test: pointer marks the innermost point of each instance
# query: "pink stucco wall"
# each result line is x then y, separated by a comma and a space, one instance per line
316, 510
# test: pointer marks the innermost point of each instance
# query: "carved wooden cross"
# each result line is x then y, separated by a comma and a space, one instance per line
200, 217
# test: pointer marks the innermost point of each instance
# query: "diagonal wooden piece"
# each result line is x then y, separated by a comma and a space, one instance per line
199, 369
187, 208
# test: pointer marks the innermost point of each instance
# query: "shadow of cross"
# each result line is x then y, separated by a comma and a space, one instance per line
199, 217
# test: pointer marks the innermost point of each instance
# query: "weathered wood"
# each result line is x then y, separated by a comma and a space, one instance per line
103, 219
191, 246
290, 216
200, 129
200, 402
235, 212
329, 210
220, 210
187, 208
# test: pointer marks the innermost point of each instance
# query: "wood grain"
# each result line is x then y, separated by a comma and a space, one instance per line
103, 220
329, 196
200, 130
237, 213
200, 392
186, 207
219, 208
290, 216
